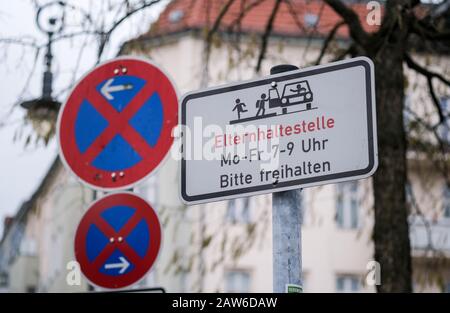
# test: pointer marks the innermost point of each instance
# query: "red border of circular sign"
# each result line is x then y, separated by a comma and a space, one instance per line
73, 158
140, 269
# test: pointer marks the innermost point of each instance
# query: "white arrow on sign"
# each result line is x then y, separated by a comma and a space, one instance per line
107, 88
123, 265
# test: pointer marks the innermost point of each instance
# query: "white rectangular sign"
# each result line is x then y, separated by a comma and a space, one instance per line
297, 129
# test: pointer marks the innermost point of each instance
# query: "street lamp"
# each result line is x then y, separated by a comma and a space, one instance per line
42, 111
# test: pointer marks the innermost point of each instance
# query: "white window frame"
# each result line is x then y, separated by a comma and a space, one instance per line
348, 283
446, 202
444, 129
238, 211
238, 286
348, 206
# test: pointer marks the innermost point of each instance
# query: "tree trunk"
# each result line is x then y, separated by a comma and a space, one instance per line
391, 232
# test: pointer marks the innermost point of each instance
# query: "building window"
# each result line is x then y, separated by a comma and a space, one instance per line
151, 188
176, 16
444, 129
28, 246
310, 20
3, 279
184, 281
408, 116
348, 283
409, 193
237, 281
447, 287
446, 201
238, 211
347, 206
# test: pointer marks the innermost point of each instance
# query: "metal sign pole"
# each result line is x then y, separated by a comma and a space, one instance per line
286, 231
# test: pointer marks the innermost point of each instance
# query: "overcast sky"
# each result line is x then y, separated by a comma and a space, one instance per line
22, 169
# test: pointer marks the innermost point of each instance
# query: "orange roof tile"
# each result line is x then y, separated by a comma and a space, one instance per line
295, 20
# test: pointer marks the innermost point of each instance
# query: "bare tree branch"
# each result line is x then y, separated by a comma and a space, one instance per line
420, 69
295, 15
218, 20
76, 34
428, 31
313, 30
442, 145
351, 19
327, 41
104, 36
266, 34
82, 26
436, 102
430, 76
243, 12
25, 42
209, 37
425, 221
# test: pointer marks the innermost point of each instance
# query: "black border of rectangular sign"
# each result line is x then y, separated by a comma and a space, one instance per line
331, 68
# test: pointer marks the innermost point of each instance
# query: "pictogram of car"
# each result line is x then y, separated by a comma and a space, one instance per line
297, 93
294, 93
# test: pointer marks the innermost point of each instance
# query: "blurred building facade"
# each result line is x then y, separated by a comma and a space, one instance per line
226, 246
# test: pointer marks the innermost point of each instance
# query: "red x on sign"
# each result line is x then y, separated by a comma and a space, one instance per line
116, 125
119, 123
117, 240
